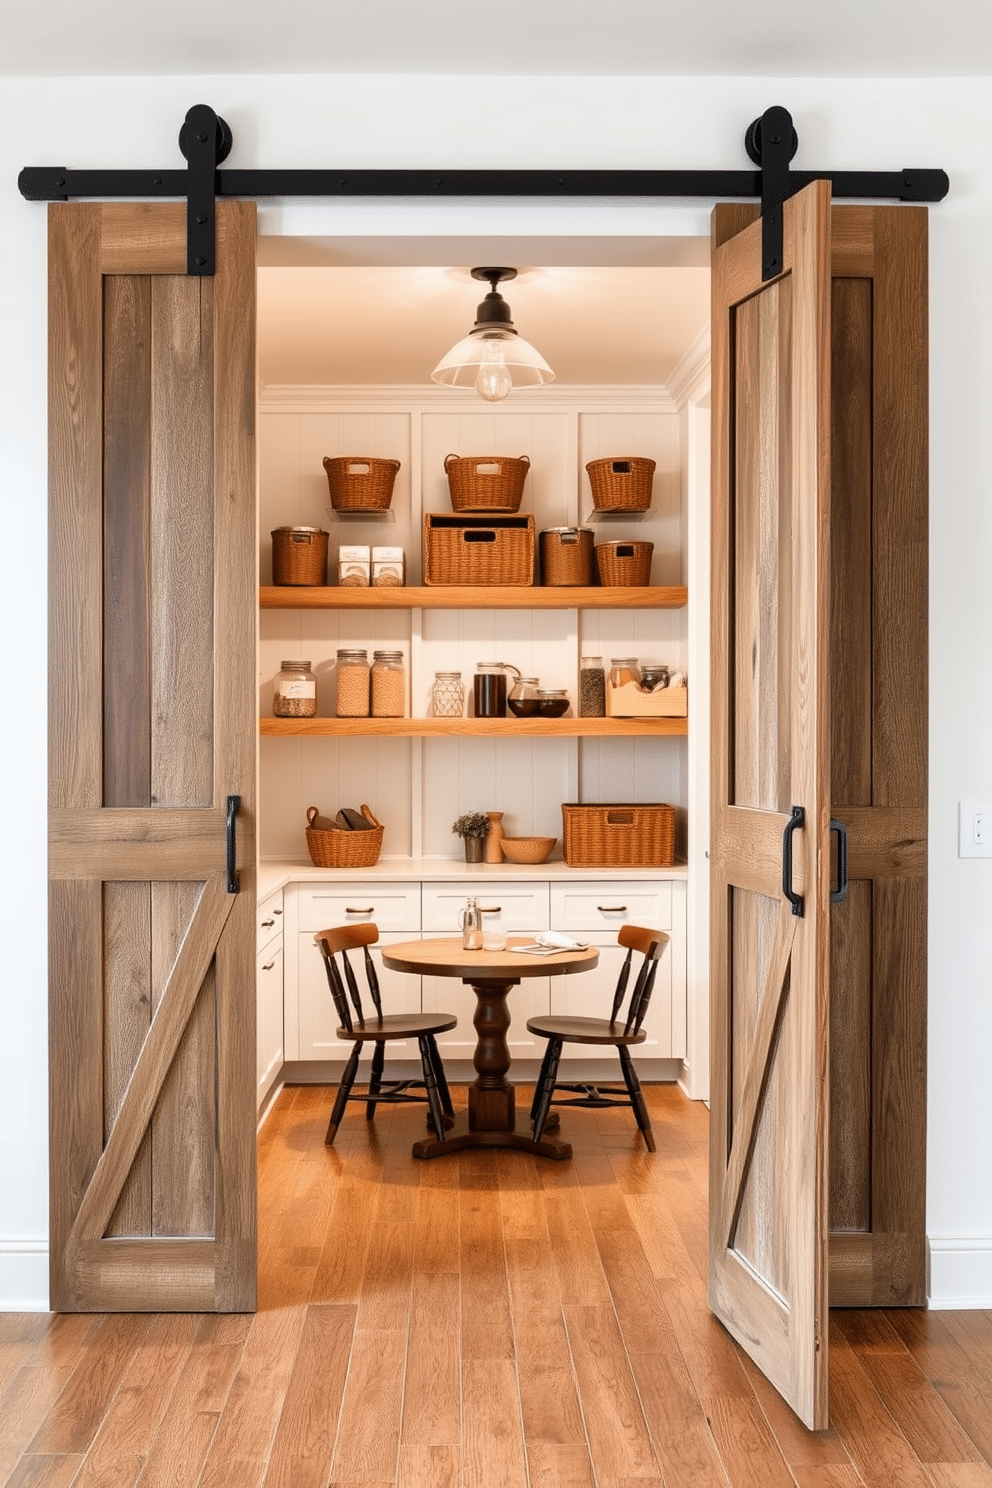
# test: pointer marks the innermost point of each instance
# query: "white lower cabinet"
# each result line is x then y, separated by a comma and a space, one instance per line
590, 910
270, 1043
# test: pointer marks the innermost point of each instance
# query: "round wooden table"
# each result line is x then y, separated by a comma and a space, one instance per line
490, 974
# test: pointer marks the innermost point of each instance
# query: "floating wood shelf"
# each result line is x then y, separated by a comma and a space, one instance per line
479, 728
457, 597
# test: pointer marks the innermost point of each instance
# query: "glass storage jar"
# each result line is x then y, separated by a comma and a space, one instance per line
353, 684
624, 669
654, 674
295, 692
522, 699
552, 702
489, 688
592, 688
388, 684
448, 695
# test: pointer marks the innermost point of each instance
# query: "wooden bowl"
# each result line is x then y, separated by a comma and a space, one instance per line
527, 849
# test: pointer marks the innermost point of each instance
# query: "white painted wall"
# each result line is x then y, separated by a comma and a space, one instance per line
636, 122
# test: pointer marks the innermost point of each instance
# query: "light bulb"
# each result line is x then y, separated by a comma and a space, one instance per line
493, 380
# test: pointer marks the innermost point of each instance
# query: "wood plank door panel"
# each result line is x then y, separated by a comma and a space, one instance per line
770, 739
152, 727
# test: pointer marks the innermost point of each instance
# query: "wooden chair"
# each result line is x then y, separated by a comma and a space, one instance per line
380, 1030
572, 1030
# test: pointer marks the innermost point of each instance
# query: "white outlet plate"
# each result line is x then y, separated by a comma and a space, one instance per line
975, 829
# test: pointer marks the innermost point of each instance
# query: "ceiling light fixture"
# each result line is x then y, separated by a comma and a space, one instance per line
493, 358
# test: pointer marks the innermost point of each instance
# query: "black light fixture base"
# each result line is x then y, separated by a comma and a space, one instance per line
494, 276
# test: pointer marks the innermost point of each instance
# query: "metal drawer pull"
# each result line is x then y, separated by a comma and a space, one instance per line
370, 910
269, 966
266, 923
233, 877
496, 909
612, 908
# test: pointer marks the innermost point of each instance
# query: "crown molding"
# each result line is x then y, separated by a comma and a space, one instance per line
691, 375
327, 398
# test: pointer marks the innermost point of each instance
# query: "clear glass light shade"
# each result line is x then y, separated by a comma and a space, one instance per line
492, 363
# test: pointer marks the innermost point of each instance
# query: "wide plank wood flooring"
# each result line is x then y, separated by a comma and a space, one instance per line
489, 1320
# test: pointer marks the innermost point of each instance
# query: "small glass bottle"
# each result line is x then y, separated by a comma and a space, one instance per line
470, 920
448, 695
295, 692
388, 684
592, 688
353, 684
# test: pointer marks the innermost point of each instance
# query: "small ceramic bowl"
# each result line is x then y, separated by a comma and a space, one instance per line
527, 849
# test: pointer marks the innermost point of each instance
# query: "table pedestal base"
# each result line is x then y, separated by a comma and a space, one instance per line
491, 1115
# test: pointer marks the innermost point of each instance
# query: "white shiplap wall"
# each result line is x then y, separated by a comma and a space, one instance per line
416, 787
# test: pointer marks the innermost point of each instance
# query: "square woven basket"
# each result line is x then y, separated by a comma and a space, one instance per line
478, 550
618, 836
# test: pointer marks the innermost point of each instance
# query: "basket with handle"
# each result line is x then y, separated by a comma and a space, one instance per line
299, 555
478, 550
480, 483
566, 556
618, 836
621, 483
620, 563
360, 482
335, 847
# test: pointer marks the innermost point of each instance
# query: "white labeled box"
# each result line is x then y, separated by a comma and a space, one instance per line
388, 566
354, 565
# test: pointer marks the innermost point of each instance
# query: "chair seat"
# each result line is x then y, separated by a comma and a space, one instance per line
575, 1030
398, 1025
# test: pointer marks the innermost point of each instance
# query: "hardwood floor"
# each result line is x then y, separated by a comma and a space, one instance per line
489, 1320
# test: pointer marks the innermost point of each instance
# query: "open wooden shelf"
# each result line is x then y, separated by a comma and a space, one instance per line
458, 597
479, 728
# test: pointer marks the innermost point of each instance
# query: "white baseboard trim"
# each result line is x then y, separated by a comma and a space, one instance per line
24, 1276
959, 1272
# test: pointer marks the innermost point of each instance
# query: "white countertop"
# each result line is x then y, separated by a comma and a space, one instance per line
274, 875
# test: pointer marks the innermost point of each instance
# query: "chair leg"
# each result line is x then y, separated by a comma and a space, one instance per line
430, 1085
550, 1071
539, 1087
375, 1078
636, 1096
344, 1089
440, 1077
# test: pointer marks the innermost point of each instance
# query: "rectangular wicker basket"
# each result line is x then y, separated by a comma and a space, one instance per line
334, 847
486, 482
618, 836
478, 550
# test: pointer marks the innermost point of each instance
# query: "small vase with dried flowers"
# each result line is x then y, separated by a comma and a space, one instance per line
472, 828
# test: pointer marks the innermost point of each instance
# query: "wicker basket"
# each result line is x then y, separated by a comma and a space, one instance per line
566, 556
334, 847
624, 563
617, 836
299, 555
360, 482
483, 483
478, 550
621, 483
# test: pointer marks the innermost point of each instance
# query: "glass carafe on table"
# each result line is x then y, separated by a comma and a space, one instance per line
470, 919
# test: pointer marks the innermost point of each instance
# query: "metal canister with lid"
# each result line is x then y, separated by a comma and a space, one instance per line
566, 556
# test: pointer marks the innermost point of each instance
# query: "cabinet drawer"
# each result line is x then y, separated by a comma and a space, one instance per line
390, 906
513, 907
610, 903
268, 919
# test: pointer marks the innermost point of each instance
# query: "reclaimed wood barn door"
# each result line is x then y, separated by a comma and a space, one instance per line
152, 730
820, 595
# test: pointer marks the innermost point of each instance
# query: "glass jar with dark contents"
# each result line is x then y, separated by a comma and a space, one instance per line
552, 702
522, 701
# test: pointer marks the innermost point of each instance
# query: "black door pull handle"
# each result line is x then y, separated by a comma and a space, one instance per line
796, 819
839, 894
233, 883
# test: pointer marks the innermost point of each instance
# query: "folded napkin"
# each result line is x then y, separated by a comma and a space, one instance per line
558, 941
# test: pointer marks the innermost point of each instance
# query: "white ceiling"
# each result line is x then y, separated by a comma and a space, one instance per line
781, 38
342, 325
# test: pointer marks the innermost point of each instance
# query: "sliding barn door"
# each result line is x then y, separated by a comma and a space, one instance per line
770, 851
152, 730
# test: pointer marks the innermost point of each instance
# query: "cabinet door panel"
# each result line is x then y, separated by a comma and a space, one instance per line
517, 908
269, 988
609, 903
